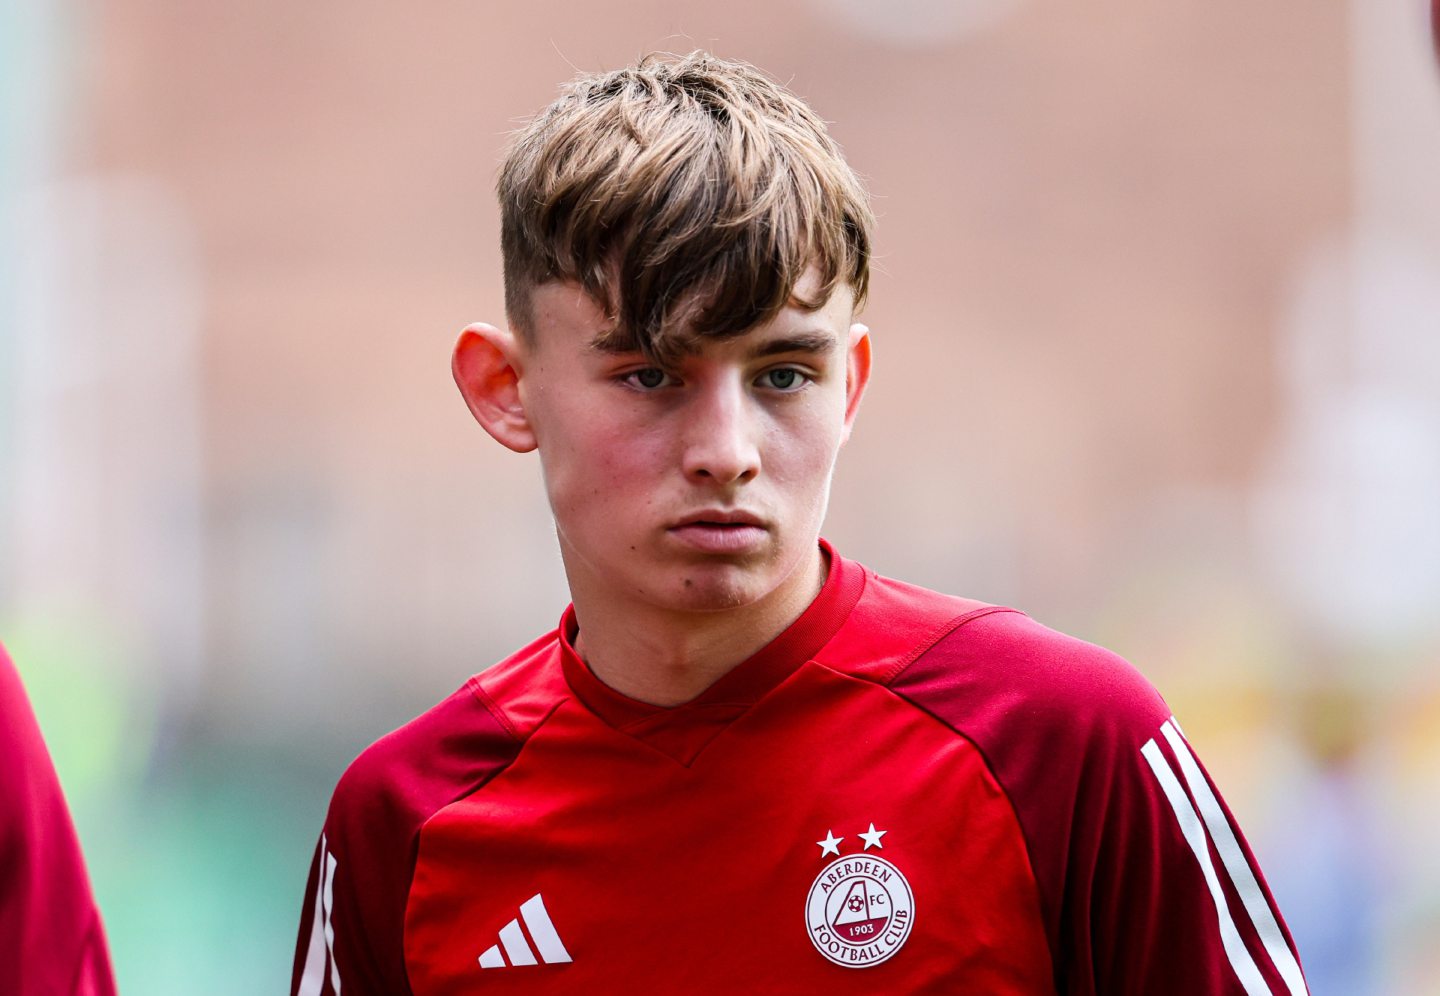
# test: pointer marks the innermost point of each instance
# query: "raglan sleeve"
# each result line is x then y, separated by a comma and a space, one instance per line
315, 971
352, 917
351, 940
1162, 892
1146, 883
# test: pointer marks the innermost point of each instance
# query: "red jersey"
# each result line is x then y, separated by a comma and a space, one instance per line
51, 941
904, 792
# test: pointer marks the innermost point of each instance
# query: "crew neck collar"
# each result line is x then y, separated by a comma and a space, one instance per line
748, 681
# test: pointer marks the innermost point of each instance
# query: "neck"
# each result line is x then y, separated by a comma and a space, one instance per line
667, 657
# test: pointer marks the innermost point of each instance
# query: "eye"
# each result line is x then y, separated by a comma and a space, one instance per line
786, 380
646, 378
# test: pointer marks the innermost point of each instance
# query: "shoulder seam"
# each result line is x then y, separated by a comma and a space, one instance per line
483, 697
993, 772
927, 644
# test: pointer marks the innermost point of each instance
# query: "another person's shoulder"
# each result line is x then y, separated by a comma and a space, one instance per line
454, 746
12, 694
51, 937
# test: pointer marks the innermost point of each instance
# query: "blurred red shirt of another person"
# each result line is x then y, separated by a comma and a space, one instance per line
51, 939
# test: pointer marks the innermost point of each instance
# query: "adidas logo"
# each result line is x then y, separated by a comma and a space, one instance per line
517, 949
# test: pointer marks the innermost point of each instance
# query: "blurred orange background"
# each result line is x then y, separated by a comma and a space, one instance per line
1157, 319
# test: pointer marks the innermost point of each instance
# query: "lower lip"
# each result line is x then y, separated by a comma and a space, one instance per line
710, 538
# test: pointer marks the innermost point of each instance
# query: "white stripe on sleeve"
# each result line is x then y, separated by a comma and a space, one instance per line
329, 921
322, 934
1241, 874
312, 979
1194, 834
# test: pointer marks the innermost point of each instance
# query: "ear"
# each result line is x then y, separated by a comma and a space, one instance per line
487, 368
857, 374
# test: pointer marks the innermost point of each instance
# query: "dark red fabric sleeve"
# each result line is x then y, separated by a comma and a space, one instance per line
51, 941
1146, 883
352, 923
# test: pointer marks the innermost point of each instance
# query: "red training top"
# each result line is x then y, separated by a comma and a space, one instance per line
904, 792
51, 941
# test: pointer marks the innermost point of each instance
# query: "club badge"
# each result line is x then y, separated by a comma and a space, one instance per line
860, 908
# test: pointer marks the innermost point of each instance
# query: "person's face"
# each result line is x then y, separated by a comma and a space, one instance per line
693, 487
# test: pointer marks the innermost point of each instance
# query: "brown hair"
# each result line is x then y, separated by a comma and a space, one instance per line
686, 195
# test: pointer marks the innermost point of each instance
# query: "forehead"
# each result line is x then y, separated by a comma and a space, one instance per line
564, 314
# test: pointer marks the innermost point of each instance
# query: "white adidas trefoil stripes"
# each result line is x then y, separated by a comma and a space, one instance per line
1194, 827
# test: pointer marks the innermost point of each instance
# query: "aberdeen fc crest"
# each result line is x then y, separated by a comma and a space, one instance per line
860, 908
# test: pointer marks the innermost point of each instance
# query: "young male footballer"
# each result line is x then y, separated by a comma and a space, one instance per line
743, 763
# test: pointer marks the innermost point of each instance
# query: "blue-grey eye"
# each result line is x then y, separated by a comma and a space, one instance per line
649, 378
785, 378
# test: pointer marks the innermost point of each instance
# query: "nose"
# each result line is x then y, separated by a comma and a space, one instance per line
721, 442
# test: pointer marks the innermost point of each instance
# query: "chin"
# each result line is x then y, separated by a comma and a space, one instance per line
717, 587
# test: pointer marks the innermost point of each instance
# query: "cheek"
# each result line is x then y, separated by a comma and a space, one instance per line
801, 453
598, 471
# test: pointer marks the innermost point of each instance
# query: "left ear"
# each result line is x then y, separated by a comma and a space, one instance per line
857, 374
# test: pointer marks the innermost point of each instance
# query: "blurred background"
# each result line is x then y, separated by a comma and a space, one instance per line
1157, 318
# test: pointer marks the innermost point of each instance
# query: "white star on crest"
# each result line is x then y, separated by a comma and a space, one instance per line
831, 843
872, 839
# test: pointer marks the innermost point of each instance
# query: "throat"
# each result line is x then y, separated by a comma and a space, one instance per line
669, 669
666, 658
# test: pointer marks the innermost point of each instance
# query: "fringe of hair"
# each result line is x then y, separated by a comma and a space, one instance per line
687, 196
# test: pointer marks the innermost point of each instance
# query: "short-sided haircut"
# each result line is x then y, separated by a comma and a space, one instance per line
687, 196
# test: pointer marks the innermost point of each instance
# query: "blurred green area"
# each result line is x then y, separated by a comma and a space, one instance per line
198, 847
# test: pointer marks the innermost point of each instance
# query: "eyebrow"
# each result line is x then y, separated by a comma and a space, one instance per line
815, 343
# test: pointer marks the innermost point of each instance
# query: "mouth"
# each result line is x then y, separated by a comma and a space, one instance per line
722, 518
721, 531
